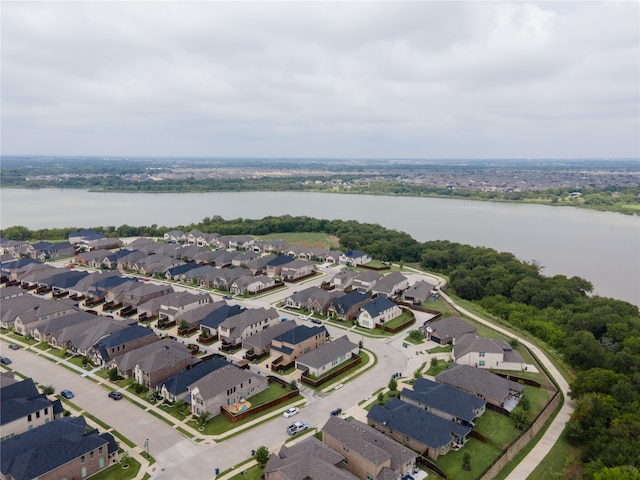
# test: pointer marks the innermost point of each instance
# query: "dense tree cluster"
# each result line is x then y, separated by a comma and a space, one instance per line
599, 337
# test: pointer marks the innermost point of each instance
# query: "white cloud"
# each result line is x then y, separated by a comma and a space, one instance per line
367, 79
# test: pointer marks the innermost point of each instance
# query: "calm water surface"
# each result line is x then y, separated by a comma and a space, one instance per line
601, 247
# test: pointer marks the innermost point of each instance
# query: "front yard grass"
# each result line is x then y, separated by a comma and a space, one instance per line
482, 455
439, 367
116, 472
251, 473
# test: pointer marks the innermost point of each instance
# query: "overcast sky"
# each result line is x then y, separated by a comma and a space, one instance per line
314, 79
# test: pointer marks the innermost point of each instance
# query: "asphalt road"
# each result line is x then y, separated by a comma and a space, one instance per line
179, 457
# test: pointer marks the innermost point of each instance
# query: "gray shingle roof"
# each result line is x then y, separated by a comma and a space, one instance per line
178, 384
374, 446
327, 352
43, 449
20, 399
300, 334
417, 423
451, 328
444, 398
478, 381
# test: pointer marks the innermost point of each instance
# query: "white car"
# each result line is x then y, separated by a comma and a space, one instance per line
290, 412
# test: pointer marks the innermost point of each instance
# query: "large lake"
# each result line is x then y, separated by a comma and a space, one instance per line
601, 247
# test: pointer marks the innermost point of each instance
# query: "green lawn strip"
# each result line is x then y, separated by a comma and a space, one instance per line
441, 349
497, 428
251, 473
103, 425
161, 417
235, 467
396, 322
44, 346
482, 456
386, 397
185, 432
175, 411
123, 439
441, 366
352, 373
68, 402
408, 339
116, 472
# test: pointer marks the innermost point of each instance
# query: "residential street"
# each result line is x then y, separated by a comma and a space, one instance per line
178, 456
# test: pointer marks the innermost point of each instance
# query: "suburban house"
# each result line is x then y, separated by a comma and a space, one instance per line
139, 293
417, 428
223, 278
322, 300
100, 289
53, 327
48, 250
215, 316
14, 306
300, 300
121, 341
391, 285
126, 362
319, 361
162, 363
326, 256
225, 387
494, 389
11, 292
447, 330
377, 311
275, 265
348, 306
174, 273
82, 236
445, 401
366, 281
354, 258
268, 246
343, 280
175, 236
248, 322
258, 265
104, 243
26, 321
80, 337
23, 407
175, 304
297, 269
259, 343
243, 258
65, 448
128, 259
310, 459
142, 243
249, 284
482, 352
194, 276
369, 454
195, 316
13, 247
418, 292
17, 268
298, 341
177, 387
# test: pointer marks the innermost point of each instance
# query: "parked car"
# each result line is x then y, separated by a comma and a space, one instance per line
303, 317
67, 394
290, 412
297, 427
115, 395
316, 320
227, 297
5, 361
14, 346
336, 412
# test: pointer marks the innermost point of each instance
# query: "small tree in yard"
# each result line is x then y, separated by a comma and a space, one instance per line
203, 418
434, 362
466, 461
113, 374
380, 397
48, 389
183, 325
393, 385
262, 455
519, 417
524, 403
415, 336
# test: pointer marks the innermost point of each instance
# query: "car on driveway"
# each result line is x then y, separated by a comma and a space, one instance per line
297, 427
5, 361
290, 412
14, 346
115, 395
67, 394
